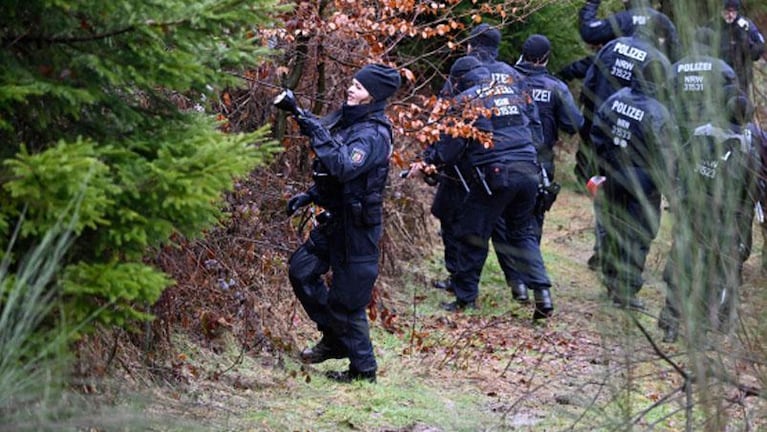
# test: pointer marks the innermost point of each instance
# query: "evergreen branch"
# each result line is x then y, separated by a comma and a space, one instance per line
10, 40
13, 39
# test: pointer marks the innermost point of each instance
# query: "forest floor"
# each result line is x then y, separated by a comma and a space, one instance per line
589, 367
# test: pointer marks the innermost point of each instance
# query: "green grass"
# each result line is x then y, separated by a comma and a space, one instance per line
405, 395
589, 368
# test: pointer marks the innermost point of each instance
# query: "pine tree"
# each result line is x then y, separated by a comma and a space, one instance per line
87, 108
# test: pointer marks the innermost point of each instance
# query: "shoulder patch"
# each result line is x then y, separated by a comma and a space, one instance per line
357, 156
743, 23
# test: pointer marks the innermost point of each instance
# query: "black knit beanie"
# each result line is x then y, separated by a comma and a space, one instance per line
740, 110
485, 36
704, 36
462, 66
732, 4
379, 80
536, 49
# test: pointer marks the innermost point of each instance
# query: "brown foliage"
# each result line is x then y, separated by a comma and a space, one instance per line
235, 279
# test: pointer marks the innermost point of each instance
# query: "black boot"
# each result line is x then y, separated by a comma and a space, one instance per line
594, 262
519, 292
351, 375
671, 333
544, 307
764, 262
324, 350
443, 284
627, 302
669, 324
458, 305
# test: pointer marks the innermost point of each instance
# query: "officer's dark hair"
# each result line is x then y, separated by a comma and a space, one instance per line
651, 77
705, 36
658, 31
740, 110
703, 41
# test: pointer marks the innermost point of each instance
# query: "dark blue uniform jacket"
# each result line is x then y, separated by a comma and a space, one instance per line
615, 64
633, 130
352, 162
597, 31
556, 107
698, 85
511, 128
514, 133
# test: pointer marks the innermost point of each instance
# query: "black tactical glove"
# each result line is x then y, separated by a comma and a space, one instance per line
308, 124
298, 201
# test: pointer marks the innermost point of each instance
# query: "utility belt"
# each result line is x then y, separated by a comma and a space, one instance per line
495, 176
499, 175
358, 212
504, 122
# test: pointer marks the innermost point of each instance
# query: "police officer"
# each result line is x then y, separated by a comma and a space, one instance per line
504, 186
556, 109
740, 42
698, 83
452, 187
637, 14
483, 43
633, 133
614, 65
352, 148
717, 180
556, 105
613, 69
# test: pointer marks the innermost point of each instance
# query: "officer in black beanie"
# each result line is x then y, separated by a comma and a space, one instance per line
483, 43
556, 107
451, 191
486, 37
352, 147
380, 81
